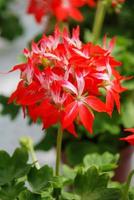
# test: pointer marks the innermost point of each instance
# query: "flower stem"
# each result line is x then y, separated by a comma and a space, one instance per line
34, 158
102, 6
127, 186
58, 150
27, 143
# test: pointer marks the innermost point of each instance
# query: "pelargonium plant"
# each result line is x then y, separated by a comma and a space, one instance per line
63, 81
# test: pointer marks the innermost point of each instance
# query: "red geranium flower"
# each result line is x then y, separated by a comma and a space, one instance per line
61, 9
61, 81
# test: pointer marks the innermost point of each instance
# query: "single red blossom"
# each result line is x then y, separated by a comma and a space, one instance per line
39, 8
61, 9
62, 79
66, 8
130, 138
82, 105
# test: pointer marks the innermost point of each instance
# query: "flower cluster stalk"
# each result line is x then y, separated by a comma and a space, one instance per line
27, 143
58, 150
34, 158
101, 10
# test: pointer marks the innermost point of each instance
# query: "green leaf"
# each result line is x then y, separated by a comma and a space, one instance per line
27, 195
107, 124
131, 194
90, 180
11, 192
39, 179
91, 185
80, 148
19, 160
13, 167
69, 196
68, 173
104, 162
11, 110
10, 25
47, 194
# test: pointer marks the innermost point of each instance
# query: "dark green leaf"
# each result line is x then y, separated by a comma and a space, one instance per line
27, 195
131, 194
11, 192
80, 148
39, 179
11, 109
13, 167
91, 185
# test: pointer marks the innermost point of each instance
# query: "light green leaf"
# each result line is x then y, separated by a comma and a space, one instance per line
104, 162
69, 196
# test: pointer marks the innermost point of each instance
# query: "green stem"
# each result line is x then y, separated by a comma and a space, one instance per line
33, 155
102, 6
27, 143
58, 150
127, 186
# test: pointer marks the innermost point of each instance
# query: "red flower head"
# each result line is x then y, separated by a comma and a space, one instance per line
62, 79
130, 138
61, 9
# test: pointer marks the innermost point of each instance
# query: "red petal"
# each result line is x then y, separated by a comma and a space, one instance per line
71, 112
116, 97
96, 103
20, 67
76, 14
61, 13
109, 103
129, 139
86, 117
71, 129
129, 130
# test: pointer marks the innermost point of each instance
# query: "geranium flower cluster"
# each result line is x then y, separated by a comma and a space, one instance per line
61, 9
65, 81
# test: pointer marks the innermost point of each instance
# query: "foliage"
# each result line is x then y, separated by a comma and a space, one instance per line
10, 25
88, 180
10, 110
